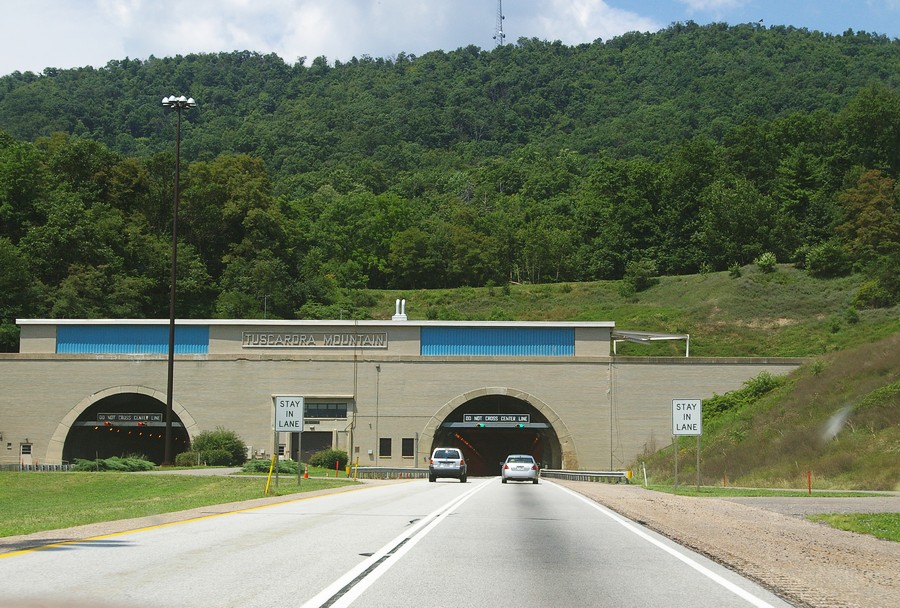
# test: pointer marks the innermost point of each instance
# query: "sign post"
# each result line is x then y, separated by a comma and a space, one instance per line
687, 419
289, 419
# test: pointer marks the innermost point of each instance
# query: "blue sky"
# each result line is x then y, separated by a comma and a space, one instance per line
35, 34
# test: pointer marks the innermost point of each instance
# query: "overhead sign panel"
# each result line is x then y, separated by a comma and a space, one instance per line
516, 418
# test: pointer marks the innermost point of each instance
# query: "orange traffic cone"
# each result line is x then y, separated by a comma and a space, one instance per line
306, 473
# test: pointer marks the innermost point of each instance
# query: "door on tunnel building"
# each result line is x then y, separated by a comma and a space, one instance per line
309, 443
491, 427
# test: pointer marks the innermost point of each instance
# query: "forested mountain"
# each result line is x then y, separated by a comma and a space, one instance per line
690, 149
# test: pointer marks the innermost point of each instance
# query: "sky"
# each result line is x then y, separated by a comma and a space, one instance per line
37, 34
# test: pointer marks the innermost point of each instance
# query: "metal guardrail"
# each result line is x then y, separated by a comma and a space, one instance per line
390, 473
35, 467
410, 473
607, 476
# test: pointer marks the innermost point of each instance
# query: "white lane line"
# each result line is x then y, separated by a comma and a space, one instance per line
345, 590
746, 595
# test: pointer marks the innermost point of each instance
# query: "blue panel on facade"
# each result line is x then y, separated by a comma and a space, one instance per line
131, 339
498, 341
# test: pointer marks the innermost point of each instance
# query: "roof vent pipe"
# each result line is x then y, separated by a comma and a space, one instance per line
399, 310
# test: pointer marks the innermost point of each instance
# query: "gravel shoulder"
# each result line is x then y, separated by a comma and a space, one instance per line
808, 564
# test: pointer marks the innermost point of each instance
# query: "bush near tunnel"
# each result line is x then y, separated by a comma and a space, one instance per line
327, 458
122, 465
220, 447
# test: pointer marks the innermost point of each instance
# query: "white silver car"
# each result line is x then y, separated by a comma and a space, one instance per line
520, 467
447, 462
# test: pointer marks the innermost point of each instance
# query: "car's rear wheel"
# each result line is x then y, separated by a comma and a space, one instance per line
462, 479
431, 478
534, 481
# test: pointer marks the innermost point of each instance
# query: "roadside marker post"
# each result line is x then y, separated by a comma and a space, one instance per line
289, 419
687, 419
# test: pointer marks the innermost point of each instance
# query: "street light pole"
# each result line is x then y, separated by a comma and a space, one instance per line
179, 104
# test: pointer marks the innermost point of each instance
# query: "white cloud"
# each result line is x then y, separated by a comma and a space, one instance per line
35, 34
577, 21
712, 5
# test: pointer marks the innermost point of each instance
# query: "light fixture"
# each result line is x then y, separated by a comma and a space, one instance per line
179, 104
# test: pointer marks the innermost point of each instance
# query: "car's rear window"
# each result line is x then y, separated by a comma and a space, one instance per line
446, 454
521, 459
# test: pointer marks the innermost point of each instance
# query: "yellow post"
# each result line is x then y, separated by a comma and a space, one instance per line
269, 478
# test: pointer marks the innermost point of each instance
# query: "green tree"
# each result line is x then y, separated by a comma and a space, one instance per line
736, 223
22, 185
871, 126
18, 293
871, 225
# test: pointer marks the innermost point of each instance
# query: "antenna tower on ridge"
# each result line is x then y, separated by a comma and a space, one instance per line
499, 36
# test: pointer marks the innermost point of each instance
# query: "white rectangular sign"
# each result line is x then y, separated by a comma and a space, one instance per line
687, 417
288, 414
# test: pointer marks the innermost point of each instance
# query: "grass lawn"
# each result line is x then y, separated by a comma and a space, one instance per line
34, 502
885, 526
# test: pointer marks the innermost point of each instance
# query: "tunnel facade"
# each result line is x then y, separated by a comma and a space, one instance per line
387, 392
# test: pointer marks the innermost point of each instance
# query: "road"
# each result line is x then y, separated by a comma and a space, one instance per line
414, 543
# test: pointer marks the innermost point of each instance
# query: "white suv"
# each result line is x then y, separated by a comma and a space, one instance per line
447, 462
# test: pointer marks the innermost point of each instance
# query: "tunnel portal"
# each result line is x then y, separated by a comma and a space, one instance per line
490, 427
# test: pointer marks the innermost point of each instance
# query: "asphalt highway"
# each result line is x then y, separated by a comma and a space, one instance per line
413, 543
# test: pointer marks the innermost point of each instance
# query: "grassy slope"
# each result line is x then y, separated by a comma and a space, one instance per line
782, 314
855, 360
837, 418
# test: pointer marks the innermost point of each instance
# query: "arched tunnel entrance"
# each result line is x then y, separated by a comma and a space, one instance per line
124, 424
490, 427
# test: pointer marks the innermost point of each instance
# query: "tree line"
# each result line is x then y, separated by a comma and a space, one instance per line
693, 149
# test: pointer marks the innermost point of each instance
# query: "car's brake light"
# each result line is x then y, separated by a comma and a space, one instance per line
506, 466
462, 462
534, 467
431, 461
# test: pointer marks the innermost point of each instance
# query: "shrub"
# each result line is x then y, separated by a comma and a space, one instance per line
257, 465
326, 458
734, 271
217, 457
220, 440
125, 465
799, 257
766, 262
639, 275
753, 389
261, 465
872, 295
762, 384
187, 459
827, 260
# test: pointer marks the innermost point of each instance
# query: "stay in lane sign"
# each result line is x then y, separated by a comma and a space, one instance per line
687, 417
288, 414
